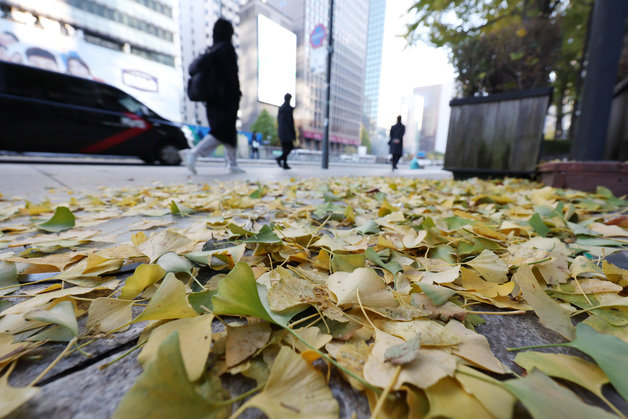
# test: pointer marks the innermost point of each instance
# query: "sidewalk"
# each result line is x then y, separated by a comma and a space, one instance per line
34, 180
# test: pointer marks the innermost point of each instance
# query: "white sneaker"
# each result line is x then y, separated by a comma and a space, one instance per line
236, 169
188, 159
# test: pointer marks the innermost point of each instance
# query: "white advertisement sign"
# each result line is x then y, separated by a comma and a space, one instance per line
157, 85
277, 62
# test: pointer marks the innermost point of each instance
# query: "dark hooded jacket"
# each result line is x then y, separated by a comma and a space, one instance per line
285, 123
221, 66
396, 132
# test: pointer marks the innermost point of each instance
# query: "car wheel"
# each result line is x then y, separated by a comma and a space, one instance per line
168, 154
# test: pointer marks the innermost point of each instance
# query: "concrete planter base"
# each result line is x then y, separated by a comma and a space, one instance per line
586, 175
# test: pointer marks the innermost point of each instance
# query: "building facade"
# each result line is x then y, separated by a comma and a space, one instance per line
310, 24
423, 119
374, 43
195, 24
131, 44
251, 105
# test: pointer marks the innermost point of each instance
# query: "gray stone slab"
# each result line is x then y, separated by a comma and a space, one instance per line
88, 393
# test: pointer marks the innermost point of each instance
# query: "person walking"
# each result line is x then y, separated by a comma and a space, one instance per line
396, 141
285, 128
220, 66
254, 144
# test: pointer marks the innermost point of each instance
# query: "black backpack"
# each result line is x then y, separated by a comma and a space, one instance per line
202, 86
199, 82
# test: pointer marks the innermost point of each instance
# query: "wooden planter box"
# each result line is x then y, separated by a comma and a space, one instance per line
586, 176
496, 135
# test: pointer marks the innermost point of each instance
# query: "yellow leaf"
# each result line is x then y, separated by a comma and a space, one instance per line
373, 291
615, 274
495, 398
471, 281
490, 266
431, 332
107, 314
311, 335
294, 389
139, 238
448, 400
163, 242
288, 291
195, 337
429, 367
475, 348
96, 263
551, 314
13, 397
144, 276
385, 208
244, 341
169, 302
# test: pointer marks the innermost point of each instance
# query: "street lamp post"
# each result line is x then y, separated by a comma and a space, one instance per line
330, 51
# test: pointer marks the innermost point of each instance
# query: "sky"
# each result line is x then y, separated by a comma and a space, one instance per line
406, 67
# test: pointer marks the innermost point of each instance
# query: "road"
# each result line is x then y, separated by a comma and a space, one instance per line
33, 178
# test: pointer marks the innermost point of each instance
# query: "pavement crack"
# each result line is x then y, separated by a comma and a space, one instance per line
50, 176
88, 362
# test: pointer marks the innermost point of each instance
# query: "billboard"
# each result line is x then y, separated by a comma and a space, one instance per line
157, 85
276, 62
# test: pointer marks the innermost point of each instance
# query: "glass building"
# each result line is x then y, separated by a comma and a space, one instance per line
374, 43
310, 19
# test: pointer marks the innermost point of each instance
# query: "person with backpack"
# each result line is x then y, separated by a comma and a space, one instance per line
214, 81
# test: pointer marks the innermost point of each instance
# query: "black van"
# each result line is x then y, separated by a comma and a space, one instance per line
45, 111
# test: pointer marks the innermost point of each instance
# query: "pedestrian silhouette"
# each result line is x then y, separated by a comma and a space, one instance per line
219, 66
286, 131
254, 144
396, 141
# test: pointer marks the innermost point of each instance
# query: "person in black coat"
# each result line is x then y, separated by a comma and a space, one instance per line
396, 141
287, 133
221, 66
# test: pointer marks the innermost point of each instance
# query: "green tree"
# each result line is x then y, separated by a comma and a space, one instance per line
365, 139
267, 125
499, 45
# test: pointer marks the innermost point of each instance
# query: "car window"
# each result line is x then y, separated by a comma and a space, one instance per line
21, 81
115, 99
71, 90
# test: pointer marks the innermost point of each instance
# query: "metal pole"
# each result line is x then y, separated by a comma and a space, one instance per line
607, 30
330, 50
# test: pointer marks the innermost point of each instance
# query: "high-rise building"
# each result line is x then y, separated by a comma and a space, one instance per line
132, 44
196, 22
267, 59
374, 46
423, 118
310, 24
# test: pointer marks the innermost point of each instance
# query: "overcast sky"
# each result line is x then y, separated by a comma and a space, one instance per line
406, 67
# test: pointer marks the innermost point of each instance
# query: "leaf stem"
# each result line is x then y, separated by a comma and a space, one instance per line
609, 404
127, 353
240, 396
551, 345
53, 363
333, 361
26, 283
384, 395
497, 313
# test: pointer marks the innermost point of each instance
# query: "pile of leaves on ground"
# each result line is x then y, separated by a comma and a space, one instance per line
376, 278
